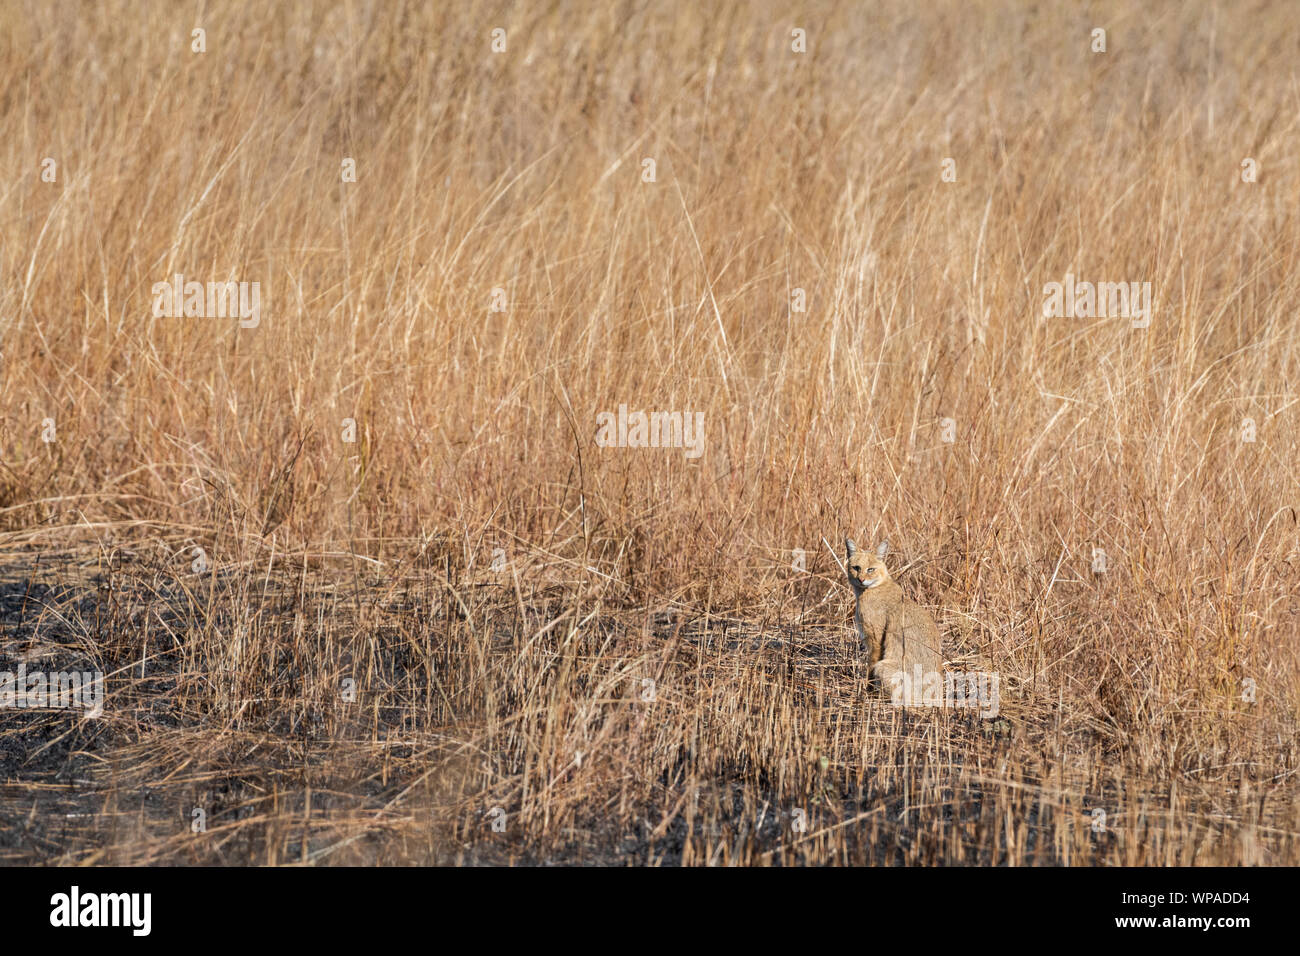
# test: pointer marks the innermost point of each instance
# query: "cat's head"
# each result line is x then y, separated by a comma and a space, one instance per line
866, 569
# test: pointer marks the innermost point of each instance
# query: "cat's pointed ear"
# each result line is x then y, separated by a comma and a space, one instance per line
850, 547
882, 549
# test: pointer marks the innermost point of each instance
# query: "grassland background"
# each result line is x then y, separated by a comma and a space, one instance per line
522, 170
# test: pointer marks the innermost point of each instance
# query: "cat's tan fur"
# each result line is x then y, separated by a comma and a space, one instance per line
898, 636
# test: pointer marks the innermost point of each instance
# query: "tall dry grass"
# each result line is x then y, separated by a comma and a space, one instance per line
521, 687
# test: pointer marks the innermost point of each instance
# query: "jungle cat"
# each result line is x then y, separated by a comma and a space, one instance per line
898, 637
